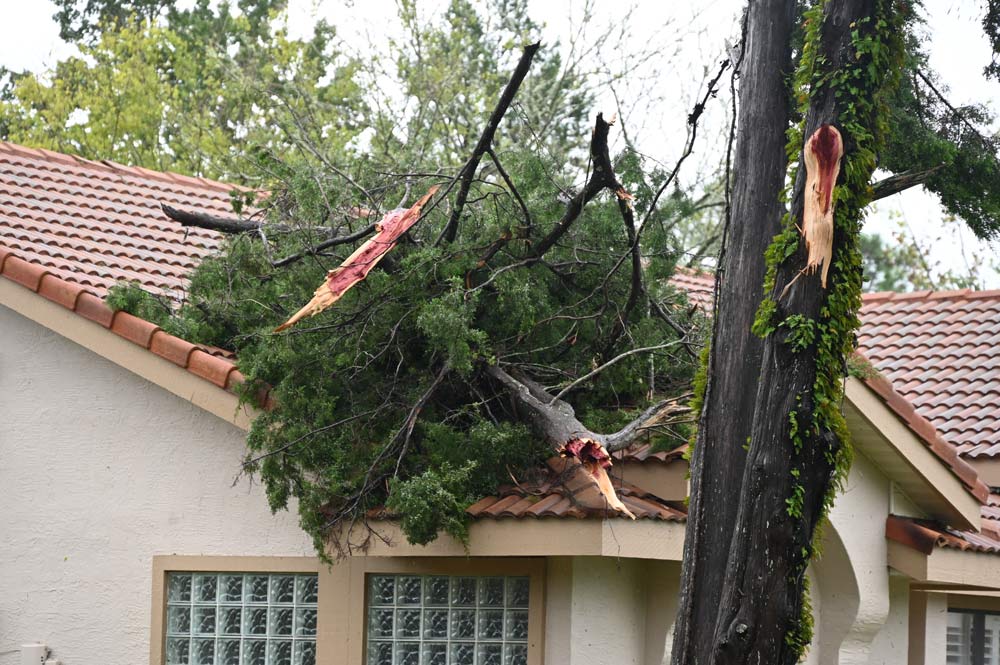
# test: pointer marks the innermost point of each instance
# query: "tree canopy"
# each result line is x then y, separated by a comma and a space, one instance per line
551, 267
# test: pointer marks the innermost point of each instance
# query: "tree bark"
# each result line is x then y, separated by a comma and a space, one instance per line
787, 465
734, 364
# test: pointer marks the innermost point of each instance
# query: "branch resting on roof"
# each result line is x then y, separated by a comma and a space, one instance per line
557, 422
234, 226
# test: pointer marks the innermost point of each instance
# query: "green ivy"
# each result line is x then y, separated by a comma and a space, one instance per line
860, 88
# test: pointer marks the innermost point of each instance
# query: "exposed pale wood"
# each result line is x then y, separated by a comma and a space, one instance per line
357, 266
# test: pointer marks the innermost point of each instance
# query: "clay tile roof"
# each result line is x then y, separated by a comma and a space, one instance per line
565, 490
926, 432
96, 223
925, 535
941, 349
70, 228
699, 286
198, 360
643, 452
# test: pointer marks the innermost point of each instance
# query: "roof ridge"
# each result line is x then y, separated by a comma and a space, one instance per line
956, 294
84, 302
109, 165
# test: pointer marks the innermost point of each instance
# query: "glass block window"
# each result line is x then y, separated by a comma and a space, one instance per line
447, 620
241, 619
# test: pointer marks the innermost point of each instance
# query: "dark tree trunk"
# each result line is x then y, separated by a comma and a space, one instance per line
734, 365
762, 597
747, 546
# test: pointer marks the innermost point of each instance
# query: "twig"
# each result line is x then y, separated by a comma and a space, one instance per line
621, 356
692, 121
326, 244
513, 189
486, 140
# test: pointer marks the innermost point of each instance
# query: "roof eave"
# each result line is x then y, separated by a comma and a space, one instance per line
881, 435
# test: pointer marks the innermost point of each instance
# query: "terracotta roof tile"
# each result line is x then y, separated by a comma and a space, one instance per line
941, 349
95, 224
925, 535
926, 431
699, 286
566, 490
76, 298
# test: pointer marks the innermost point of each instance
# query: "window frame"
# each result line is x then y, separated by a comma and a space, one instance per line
162, 565
977, 632
342, 616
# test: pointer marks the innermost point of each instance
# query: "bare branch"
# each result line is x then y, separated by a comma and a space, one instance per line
486, 141
621, 356
602, 176
902, 181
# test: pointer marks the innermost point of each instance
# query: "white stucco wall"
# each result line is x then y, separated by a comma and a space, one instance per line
99, 471
890, 646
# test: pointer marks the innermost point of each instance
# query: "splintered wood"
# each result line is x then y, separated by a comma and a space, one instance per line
822, 155
595, 459
357, 266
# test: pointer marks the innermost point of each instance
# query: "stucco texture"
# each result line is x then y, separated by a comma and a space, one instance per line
101, 470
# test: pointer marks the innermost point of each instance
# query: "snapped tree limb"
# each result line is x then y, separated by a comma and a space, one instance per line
233, 225
556, 420
357, 266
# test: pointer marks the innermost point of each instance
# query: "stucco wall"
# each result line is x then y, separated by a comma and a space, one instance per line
605, 611
891, 644
99, 471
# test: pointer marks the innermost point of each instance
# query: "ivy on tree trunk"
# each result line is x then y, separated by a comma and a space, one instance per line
772, 446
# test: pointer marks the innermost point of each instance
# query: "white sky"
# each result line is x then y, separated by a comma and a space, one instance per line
690, 36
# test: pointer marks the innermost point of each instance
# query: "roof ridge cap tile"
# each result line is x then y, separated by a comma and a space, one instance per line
83, 302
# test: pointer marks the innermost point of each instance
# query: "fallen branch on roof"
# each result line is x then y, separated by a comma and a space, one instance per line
557, 422
232, 225
357, 266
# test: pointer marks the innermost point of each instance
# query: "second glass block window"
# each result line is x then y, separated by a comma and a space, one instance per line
447, 620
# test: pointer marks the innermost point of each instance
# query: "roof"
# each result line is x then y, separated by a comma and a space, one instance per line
926, 432
198, 360
699, 286
924, 535
70, 228
97, 223
566, 490
941, 351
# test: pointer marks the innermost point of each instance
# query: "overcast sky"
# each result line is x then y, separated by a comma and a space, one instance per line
689, 36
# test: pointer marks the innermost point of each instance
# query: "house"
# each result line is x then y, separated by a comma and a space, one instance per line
126, 534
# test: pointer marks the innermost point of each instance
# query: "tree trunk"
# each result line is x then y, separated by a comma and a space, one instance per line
754, 514
734, 364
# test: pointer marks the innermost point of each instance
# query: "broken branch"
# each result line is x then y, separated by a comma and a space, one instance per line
902, 181
602, 176
357, 266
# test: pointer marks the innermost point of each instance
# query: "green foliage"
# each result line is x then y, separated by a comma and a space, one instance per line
347, 435
182, 94
433, 502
